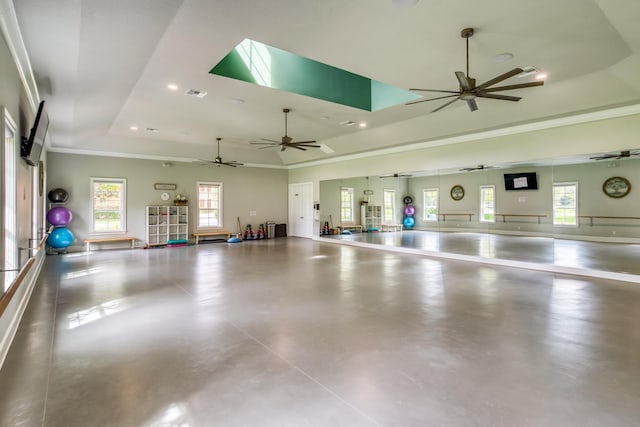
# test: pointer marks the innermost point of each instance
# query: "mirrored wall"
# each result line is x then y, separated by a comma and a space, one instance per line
581, 213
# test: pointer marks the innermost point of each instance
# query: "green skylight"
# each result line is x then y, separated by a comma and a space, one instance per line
264, 65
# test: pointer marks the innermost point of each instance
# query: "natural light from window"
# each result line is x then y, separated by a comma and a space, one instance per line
257, 58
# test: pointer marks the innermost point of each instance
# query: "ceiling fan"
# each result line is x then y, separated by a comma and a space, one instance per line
477, 168
287, 141
622, 155
396, 175
218, 160
469, 91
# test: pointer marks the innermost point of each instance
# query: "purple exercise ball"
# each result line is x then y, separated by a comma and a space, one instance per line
59, 216
409, 210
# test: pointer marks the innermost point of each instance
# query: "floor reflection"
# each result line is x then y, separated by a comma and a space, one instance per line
592, 257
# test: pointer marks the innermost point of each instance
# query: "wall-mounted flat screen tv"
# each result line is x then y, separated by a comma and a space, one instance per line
31, 147
520, 181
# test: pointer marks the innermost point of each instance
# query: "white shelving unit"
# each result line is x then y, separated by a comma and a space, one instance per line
166, 223
371, 217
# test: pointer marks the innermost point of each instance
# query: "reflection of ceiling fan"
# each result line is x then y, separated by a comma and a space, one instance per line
477, 168
468, 89
622, 155
218, 160
396, 175
287, 141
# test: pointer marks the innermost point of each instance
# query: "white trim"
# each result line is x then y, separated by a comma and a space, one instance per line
123, 206
15, 42
220, 206
509, 130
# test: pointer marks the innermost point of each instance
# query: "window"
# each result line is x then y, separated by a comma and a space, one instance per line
388, 206
109, 208
565, 203
430, 203
346, 204
209, 204
487, 203
10, 242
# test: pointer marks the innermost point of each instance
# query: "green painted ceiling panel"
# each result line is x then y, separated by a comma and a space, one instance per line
257, 63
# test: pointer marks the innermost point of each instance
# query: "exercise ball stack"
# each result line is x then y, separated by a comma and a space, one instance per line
409, 211
59, 216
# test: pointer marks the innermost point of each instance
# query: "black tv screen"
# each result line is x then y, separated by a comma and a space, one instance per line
520, 181
31, 147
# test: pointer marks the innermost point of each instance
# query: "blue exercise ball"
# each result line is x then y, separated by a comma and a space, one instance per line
59, 215
409, 222
60, 238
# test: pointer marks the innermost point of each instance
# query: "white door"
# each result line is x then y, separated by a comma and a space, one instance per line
301, 210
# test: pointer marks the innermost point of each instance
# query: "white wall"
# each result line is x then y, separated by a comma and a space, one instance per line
245, 190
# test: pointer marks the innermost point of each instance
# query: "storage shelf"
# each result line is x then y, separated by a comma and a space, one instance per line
166, 223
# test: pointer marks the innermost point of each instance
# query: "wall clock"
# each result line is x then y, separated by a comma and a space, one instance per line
457, 192
616, 187
165, 196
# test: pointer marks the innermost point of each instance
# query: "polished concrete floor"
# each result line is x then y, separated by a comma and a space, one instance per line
600, 259
295, 332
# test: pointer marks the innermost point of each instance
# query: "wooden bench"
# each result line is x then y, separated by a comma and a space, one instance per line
391, 227
88, 242
212, 233
350, 227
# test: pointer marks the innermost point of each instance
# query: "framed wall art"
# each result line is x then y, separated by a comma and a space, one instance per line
616, 187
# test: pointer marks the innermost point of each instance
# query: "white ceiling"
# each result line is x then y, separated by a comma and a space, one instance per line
103, 66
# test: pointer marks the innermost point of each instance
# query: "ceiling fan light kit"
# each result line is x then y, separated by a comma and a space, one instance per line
469, 91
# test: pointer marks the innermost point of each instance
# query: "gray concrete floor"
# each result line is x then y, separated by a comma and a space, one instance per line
294, 332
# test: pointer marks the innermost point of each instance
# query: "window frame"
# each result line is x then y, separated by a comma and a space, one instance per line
553, 204
482, 204
351, 193
9, 198
425, 205
220, 206
123, 205
386, 220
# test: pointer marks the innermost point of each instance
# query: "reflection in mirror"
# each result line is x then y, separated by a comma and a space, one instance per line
503, 211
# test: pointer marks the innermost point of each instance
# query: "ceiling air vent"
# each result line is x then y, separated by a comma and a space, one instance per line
347, 123
197, 93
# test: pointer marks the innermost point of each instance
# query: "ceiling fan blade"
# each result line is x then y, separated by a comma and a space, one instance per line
511, 87
203, 161
297, 147
446, 105
303, 142
307, 145
462, 79
436, 90
603, 157
494, 96
270, 140
268, 146
472, 104
500, 78
457, 94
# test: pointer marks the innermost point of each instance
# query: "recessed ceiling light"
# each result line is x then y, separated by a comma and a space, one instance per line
362, 124
404, 3
501, 57
133, 127
172, 86
541, 76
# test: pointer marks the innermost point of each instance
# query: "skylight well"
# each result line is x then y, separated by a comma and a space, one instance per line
268, 66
